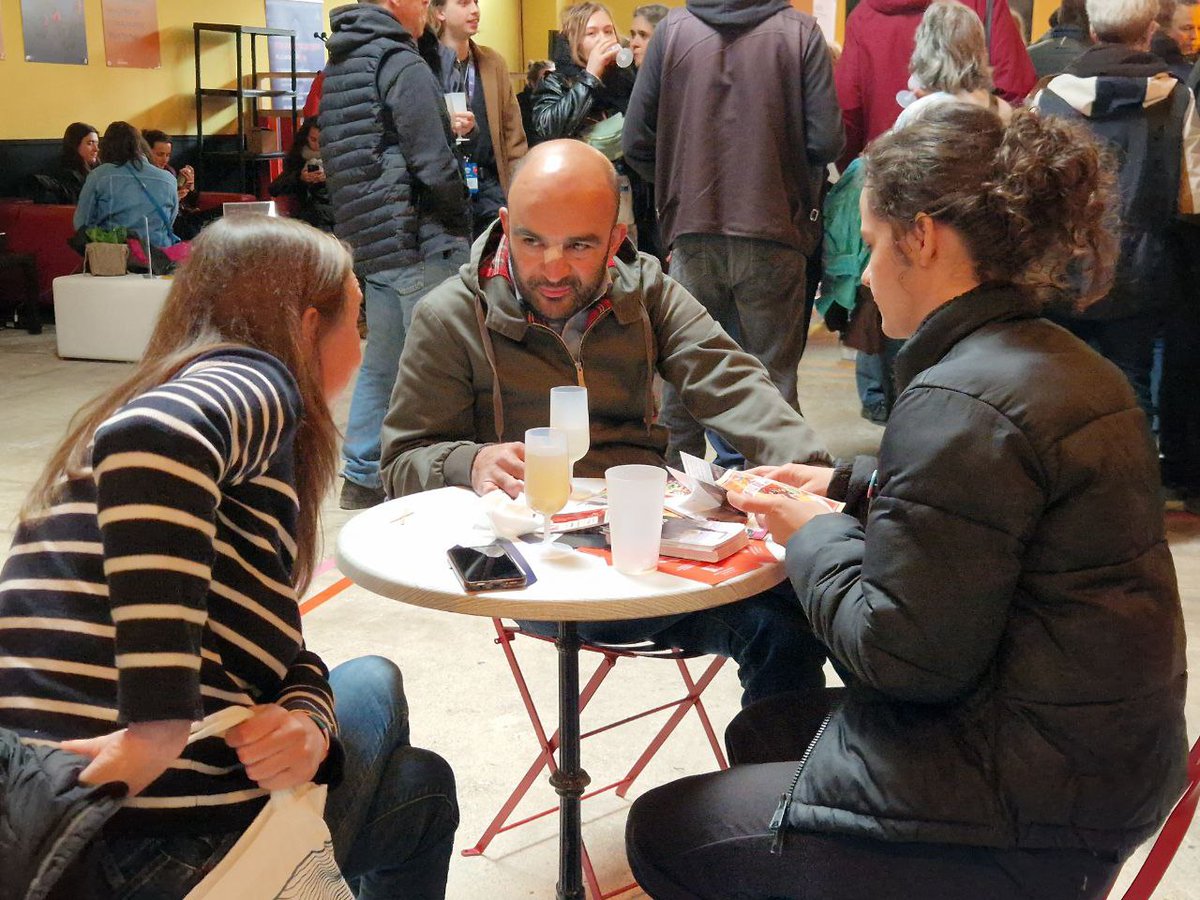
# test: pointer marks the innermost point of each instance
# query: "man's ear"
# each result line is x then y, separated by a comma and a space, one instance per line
504, 220
619, 233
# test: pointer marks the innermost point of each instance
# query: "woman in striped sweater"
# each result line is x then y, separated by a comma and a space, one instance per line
155, 574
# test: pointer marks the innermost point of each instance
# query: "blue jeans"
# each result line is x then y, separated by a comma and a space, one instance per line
391, 298
767, 635
874, 378
392, 818
755, 290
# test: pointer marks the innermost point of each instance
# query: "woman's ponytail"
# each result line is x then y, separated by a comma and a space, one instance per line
1033, 201
1052, 183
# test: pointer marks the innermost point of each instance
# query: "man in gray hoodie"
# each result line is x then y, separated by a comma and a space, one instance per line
734, 117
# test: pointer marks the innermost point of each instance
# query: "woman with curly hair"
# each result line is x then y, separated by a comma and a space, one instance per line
998, 594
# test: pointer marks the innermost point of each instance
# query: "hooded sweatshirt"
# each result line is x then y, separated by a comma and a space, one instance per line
730, 152
874, 63
1148, 119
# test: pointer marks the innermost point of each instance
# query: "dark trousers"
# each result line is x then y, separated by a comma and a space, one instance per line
755, 289
766, 635
1179, 390
706, 837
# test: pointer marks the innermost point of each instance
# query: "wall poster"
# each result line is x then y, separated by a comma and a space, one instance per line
131, 34
306, 18
54, 31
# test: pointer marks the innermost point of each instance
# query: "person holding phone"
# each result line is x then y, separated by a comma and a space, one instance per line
190, 219
303, 178
155, 574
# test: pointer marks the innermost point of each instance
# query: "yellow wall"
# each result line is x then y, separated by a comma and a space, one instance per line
1041, 17
38, 100
500, 29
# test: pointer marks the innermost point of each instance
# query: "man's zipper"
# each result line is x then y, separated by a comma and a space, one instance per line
577, 362
779, 820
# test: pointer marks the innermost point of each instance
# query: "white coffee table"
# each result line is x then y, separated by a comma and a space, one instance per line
398, 550
97, 317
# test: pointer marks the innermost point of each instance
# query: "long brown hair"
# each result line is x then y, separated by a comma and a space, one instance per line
247, 282
1033, 202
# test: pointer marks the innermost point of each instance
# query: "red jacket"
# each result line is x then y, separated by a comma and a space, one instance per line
874, 64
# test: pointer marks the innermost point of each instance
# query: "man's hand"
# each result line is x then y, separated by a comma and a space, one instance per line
462, 123
782, 515
280, 748
499, 466
601, 57
814, 479
136, 755
317, 177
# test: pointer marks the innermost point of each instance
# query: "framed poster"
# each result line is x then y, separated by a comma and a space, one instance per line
306, 18
131, 33
54, 31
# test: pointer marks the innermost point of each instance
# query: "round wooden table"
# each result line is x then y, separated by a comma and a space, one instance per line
398, 550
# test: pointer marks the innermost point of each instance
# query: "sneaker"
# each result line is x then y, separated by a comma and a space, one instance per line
356, 496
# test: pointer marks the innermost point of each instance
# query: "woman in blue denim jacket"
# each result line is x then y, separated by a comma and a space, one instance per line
127, 190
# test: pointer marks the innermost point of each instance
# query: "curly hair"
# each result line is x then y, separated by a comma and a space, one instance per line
1034, 202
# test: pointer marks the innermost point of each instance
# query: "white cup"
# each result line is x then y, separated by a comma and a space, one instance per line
635, 511
456, 102
624, 58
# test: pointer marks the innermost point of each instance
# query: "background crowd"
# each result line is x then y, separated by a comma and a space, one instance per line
971, 212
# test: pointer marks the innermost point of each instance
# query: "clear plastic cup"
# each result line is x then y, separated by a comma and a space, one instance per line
635, 512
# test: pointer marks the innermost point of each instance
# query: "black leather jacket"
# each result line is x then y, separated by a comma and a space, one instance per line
570, 99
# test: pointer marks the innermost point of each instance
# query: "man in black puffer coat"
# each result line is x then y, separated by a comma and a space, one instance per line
399, 199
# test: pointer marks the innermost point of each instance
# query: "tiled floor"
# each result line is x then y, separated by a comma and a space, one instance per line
463, 702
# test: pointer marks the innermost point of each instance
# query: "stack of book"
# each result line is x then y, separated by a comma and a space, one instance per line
706, 541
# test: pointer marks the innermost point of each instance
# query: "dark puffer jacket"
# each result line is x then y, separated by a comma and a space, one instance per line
1144, 119
397, 188
1010, 616
47, 818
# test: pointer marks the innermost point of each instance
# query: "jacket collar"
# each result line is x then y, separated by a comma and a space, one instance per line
955, 320
503, 311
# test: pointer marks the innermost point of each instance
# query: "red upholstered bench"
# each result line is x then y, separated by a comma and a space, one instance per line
44, 228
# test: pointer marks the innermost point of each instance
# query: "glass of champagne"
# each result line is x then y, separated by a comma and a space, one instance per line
569, 413
547, 474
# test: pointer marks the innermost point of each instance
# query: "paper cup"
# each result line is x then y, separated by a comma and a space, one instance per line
635, 511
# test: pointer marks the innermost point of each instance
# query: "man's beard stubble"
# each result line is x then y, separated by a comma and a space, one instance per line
582, 294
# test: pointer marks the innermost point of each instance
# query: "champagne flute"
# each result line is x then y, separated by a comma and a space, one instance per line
569, 413
547, 474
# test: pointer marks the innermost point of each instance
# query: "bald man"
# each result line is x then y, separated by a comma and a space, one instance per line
553, 295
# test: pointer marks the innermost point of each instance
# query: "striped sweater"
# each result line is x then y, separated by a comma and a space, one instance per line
158, 586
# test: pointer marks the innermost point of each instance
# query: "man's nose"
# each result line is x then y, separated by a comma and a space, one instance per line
554, 264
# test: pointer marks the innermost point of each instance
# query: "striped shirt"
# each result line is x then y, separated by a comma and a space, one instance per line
158, 586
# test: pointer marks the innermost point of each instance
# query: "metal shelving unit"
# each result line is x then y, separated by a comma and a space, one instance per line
246, 98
